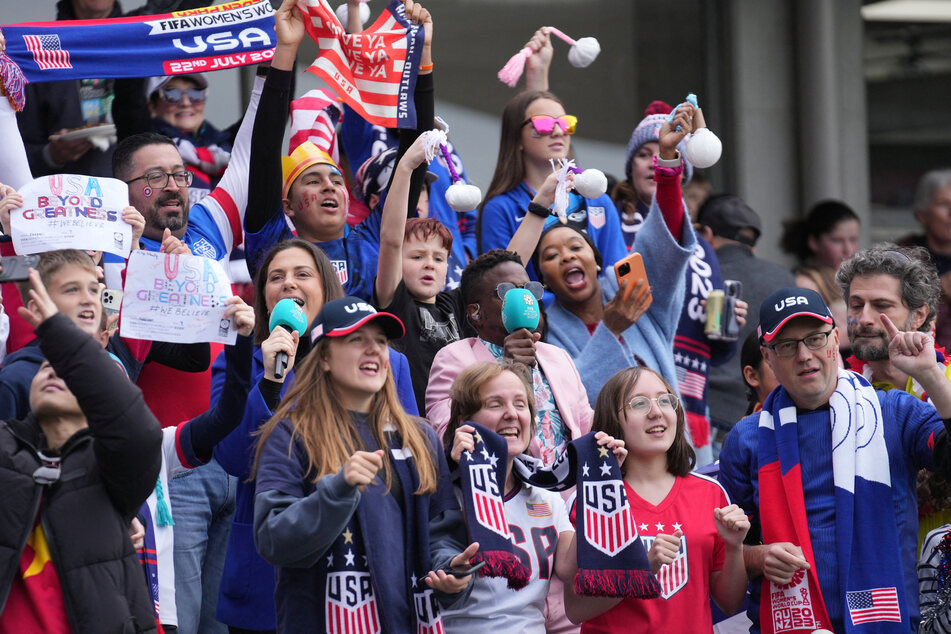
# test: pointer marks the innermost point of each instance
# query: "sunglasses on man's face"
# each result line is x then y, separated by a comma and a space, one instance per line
177, 95
533, 287
544, 124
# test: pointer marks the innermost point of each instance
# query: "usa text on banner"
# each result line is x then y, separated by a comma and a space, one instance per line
374, 72
198, 40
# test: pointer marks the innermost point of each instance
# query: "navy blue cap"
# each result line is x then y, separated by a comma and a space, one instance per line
340, 317
787, 303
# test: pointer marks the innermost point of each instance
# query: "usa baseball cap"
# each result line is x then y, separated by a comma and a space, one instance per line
788, 303
340, 317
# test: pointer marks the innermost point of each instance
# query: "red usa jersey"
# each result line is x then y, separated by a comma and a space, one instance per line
684, 605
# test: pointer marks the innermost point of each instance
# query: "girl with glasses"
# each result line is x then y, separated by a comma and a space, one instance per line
693, 534
535, 130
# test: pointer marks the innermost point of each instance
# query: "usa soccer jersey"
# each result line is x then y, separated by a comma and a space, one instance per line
684, 604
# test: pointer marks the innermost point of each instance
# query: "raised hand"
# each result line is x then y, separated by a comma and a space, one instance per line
669, 136
619, 313
911, 352
664, 550
242, 314
131, 216
10, 199
732, 524
172, 245
462, 440
39, 307
280, 340
616, 445
362, 467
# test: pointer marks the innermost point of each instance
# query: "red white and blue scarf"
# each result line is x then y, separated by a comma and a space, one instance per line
867, 546
198, 40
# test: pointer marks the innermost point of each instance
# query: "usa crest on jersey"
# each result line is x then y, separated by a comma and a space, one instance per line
340, 266
487, 499
351, 604
608, 524
596, 216
673, 576
428, 620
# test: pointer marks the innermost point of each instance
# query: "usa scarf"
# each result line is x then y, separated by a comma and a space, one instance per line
357, 598
867, 546
612, 561
482, 475
198, 40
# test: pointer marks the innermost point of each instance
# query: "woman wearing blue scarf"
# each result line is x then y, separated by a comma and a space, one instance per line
354, 506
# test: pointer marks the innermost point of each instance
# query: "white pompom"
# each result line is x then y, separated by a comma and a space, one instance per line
591, 183
583, 52
703, 148
342, 13
463, 197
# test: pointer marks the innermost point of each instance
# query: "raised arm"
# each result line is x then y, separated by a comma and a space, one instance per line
393, 224
668, 169
526, 237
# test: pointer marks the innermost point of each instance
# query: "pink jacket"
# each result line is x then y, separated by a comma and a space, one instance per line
559, 369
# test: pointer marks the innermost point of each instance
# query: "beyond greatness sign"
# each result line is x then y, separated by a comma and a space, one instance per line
374, 71
69, 211
197, 40
176, 298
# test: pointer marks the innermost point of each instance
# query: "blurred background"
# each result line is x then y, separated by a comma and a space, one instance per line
813, 99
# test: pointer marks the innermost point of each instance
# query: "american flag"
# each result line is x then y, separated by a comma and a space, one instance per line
489, 508
691, 383
47, 51
314, 118
878, 604
371, 71
609, 532
540, 509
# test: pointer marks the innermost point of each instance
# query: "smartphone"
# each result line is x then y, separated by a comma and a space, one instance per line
16, 268
111, 300
631, 269
465, 573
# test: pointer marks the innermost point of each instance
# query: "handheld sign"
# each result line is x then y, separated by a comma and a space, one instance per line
70, 211
176, 298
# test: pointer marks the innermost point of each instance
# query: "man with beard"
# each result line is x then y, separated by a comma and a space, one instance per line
203, 498
899, 282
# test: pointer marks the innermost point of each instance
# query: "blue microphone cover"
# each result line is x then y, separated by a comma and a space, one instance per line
288, 314
519, 310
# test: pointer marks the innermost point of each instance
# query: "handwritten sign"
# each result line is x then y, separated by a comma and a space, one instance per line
176, 298
69, 211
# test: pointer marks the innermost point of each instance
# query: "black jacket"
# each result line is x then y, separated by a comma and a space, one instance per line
106, 472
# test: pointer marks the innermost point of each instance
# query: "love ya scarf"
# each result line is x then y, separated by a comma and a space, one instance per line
867, 548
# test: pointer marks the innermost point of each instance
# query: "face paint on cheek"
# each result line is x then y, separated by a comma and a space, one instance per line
832, 354
851, 321
147, 192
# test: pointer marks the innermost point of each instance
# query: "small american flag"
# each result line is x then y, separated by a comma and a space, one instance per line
541, 509
314, 118
691, 383
868, 606
47, 51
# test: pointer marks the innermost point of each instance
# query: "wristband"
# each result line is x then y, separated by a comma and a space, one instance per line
537, 210
426, 67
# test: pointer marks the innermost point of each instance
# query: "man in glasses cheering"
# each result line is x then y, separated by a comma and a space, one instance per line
828, 469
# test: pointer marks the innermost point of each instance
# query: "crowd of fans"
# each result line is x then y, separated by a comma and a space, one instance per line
318, 478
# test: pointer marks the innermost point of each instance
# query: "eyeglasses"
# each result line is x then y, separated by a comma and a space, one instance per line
177, 95
642, 404
535, 288
545, 123
159, 180
788, 348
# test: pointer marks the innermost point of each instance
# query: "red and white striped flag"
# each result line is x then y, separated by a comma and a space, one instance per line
47, 51
374, 72
314, 118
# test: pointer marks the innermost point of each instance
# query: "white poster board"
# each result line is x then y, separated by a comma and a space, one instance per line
176, 298
70, 211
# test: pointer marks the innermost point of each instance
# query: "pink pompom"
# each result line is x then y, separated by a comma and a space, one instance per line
512, 71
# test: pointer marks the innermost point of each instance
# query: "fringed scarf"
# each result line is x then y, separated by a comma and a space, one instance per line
612, 561
357, 597
482, 473
867, 547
